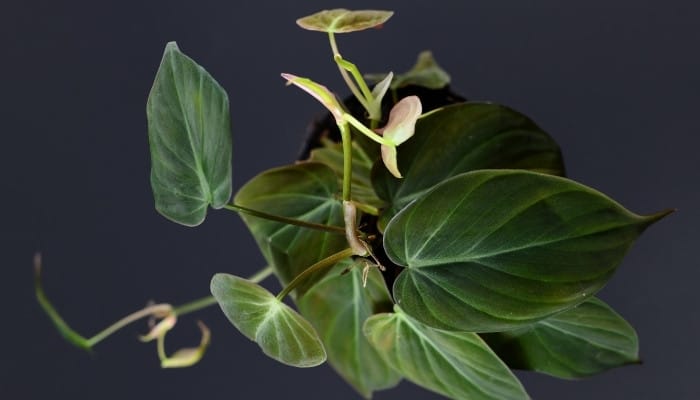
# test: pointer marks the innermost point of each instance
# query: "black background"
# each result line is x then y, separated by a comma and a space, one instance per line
616, 84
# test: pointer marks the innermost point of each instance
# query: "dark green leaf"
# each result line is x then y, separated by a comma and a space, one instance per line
338, 306
458, 365
585, 340
189, 131
462, 138
341, 20
307, 191
331, 154
280, 332
494, 250
425, 73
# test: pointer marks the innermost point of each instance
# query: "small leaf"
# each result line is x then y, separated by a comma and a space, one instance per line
342, 21
281, 332
189, 356
307, 191
400, 127
494, 250
338, 306
319, 92
458, 365
462, 138
585, 340
189, 132
426, 73
374, 108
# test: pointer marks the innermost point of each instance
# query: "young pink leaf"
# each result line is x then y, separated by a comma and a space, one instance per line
319, 92
401, 126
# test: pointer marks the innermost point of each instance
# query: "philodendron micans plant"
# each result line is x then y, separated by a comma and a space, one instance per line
421, 237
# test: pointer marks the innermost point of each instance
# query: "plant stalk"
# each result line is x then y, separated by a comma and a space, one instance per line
319, 266
284, 220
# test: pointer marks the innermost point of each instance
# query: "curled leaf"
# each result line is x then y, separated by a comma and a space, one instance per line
401, 126
340, 20
189, 356
319, 92
160, 329
378, 92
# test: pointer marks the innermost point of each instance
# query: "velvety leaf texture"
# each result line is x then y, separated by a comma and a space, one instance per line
458, 365
340, 20
494, 250
280, 331
338, 306
461, 138
585, 340
189, 132
307, 191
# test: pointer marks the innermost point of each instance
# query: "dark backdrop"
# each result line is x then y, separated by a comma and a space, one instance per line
616, 83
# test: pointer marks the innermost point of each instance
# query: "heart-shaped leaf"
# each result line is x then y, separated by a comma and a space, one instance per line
338, 306
280, 332
458, 365
494, 250
585, 340
307, 191
341, 20
331, 154
462, 138
425, 73
189, 131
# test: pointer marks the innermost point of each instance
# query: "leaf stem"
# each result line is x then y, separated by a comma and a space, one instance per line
352, 68
365, 130
351, 85
347, 160
284, 220
319, 266
66, 331
367, 208
155, 309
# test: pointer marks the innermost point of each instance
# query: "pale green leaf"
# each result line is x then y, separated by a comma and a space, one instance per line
281, 332
189, 132
341, 20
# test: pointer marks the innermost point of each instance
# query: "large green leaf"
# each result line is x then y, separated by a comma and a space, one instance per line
462, 138
331, 154
458, 365
280, 332
189, 131
338, 306
493, 250
582, 341
307, 191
